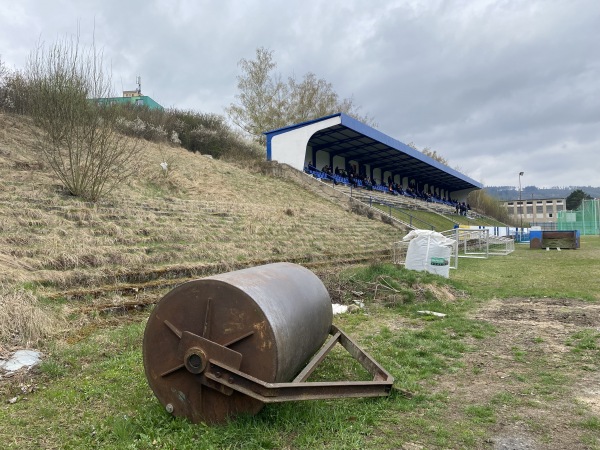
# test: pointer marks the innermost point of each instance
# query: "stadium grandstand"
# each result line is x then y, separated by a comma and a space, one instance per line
344, 151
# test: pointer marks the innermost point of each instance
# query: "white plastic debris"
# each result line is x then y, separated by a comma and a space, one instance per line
432, 313
20, 359
339, 309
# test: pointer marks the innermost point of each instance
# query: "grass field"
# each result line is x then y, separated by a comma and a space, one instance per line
514, 364
485, 373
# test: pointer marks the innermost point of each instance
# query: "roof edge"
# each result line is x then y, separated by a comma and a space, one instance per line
373, 133
300, 125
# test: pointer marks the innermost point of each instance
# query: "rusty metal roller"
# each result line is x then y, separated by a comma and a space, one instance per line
227, 344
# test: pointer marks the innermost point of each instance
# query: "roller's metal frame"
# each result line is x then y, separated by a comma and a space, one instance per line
218, 367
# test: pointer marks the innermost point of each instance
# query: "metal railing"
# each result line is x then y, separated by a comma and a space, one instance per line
402, 214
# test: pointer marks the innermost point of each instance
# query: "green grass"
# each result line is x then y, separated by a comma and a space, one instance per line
535, 273
439, 222
591, 423
588, 339
480, 413
100, 382
93, 393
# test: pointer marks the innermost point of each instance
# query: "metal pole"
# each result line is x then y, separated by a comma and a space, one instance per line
583, 216
521, 200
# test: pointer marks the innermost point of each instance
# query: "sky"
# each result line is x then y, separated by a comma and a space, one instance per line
496, 87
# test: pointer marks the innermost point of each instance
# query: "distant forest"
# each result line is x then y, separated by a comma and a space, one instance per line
529, 192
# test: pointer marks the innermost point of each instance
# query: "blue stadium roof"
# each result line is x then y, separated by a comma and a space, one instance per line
353, 140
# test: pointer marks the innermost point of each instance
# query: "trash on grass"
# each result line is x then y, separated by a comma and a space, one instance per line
432, 313
21, 358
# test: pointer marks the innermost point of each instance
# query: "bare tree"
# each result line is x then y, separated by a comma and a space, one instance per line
429, 152
481, 201
3, 85
265, 102
3, 71
434, 155
79, 138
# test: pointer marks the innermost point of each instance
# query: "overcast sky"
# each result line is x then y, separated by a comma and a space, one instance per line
495, 87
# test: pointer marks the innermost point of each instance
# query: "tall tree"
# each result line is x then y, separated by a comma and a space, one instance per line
575, 198
266, 102
261, 94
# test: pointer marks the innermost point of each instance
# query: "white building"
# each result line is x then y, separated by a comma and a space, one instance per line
535, 211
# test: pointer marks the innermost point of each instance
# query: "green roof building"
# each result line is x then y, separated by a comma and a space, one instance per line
131, 98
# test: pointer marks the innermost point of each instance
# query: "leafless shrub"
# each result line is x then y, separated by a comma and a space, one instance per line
3, 71
484, 203
3, 86
387, 219
14, 96
80, 139
362, 210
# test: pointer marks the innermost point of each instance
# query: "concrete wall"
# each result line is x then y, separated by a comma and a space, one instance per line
290, 148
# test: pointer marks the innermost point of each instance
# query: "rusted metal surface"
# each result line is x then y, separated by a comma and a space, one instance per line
224, 345
218, 373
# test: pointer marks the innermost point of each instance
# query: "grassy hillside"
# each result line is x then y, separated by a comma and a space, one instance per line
204, 212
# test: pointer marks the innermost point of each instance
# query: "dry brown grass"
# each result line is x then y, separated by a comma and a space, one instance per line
205, 212
23, 322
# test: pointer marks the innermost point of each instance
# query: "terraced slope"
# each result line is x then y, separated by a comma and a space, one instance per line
205, 212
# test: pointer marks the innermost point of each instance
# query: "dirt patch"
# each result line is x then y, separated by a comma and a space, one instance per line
543, 311
539, 391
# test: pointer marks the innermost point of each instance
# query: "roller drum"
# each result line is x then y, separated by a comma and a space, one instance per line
276, 316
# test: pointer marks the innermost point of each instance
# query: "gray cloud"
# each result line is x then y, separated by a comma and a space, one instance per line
495, 86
